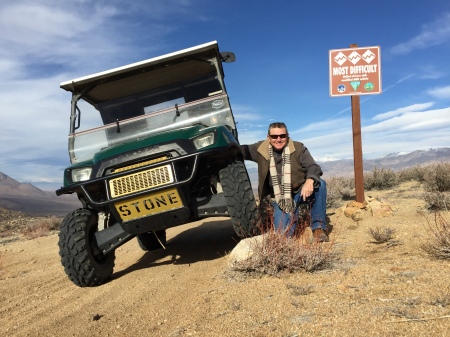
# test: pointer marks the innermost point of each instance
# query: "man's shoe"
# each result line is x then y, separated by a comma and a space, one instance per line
320, 236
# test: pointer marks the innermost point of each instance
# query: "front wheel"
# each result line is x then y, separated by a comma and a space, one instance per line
240, 200
81, 258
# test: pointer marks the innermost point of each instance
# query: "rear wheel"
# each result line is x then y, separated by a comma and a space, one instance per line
81, 258
152, 240
240, 200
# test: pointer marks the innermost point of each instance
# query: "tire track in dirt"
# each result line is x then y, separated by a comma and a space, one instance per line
141, 283
185, 290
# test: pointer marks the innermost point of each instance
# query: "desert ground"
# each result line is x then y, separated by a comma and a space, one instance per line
188, 289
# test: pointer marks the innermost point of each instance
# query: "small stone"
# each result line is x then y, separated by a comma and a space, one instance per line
96, 317
348, 212
358, 215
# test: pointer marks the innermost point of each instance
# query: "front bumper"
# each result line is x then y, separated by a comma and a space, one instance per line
190, 208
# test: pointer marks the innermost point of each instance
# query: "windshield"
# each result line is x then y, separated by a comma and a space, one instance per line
212, 111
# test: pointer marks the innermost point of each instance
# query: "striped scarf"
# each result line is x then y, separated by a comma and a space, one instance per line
283, 196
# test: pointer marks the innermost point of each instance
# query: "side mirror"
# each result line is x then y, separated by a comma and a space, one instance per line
227, 56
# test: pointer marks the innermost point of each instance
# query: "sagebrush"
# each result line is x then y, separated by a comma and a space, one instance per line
277, 253
41, 227
382, 234
437, 186
434, 177
380, 179
339, 189
439, 242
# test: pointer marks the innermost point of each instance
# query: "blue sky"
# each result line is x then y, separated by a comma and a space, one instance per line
280, 73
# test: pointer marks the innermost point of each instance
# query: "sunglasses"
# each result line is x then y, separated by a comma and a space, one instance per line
282, 136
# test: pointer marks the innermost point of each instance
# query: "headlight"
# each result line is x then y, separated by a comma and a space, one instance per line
81, 174
204, 140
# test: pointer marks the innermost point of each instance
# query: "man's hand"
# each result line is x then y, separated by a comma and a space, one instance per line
307, 189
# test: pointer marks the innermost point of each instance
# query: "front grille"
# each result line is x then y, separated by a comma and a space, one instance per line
148, 162
141, 181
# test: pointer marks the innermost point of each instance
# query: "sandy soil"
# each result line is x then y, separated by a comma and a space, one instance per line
373, 289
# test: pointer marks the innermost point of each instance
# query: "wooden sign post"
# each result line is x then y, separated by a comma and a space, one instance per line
354, 72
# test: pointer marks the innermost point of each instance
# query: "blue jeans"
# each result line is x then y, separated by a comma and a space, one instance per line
317, 201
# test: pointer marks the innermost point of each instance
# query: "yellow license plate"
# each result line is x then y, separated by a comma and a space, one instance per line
154, 203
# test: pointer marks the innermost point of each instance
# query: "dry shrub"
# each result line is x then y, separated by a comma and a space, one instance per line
416, 173
297, 290
437, 201
437, 178
402, 311
277, 253
338, 189
380, 179
439, 243
437, 186
442, 300
382, 234
6, 233
41, 227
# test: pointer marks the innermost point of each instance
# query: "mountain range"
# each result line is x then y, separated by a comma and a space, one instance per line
395, 161
29, 199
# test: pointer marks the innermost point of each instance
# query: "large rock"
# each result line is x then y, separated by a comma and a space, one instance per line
244, 249
380, 209
356, 210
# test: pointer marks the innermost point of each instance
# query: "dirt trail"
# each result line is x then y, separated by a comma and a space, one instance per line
185, 290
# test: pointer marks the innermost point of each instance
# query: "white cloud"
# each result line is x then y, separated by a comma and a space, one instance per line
405, 129
407, 132
337, 145
246, 117
33, 124
251, 133
47, 42
420, 121
322, 126
28, 23
431, 34
49, 30
376, 144
440, 92
430, 72
83, 37
401, 111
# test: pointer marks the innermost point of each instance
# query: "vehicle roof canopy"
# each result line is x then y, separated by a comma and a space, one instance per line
147, 75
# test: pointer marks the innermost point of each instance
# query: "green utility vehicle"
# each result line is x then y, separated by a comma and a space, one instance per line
163, 153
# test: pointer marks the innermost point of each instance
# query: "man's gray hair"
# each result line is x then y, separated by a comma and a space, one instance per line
279, 125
